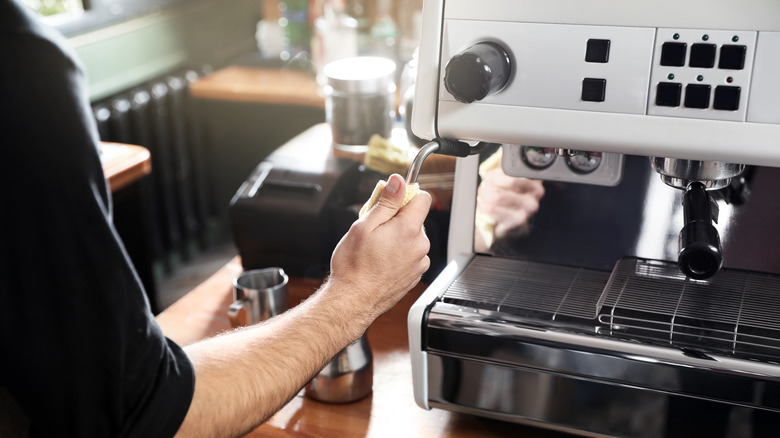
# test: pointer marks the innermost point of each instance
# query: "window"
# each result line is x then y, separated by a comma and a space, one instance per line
72, 17
48, 8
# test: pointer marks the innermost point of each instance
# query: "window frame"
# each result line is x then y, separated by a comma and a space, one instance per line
102, 13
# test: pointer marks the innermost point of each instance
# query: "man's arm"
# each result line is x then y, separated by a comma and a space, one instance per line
245, 376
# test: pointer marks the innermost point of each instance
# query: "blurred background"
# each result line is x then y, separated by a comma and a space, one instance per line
181, 78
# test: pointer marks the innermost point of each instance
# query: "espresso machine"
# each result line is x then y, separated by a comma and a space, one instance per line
642, 299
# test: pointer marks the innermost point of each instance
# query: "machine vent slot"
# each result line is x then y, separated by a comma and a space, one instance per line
735, 313
529, 289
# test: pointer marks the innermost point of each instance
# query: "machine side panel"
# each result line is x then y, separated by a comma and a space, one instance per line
424, 114
765, 93
464, 200
416, 319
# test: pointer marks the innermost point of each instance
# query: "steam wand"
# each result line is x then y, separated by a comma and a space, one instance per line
441, 146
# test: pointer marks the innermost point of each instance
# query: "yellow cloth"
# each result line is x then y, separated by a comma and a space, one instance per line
484, 223
411, 191
385, 157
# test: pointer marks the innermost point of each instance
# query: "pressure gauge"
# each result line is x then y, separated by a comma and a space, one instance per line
584, 162
538, 158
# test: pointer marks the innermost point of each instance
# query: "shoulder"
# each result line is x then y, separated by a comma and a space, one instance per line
21, 29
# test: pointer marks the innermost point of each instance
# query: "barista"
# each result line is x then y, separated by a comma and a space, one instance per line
81, 352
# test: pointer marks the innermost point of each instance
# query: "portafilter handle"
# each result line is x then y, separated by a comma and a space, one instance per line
700, 256
440, 146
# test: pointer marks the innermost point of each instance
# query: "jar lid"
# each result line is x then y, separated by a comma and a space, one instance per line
360, 75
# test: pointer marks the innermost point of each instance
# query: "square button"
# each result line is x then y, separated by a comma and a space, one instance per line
697, 96
703, 55
597, 51
594, 90
726, 98
668, 94
732, 57
673, 54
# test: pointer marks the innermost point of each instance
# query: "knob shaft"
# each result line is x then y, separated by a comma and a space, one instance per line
477, 72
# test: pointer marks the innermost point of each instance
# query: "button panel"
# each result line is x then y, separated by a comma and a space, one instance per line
707, 82
625, 70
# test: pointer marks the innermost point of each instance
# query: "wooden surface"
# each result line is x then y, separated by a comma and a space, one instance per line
259, 85
390, 411
123, 164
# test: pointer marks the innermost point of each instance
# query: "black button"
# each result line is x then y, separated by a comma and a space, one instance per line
673, 54
597, 51
703, 55
593, 90
697, 96
732, 57
668, 94
726, 98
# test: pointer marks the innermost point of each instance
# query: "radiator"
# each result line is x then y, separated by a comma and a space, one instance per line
161, 116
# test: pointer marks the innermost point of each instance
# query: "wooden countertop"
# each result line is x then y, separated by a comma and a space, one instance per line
390, 411
259, 85
123, 164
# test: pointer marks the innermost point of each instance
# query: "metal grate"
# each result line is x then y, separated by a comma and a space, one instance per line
735, 313
543, 291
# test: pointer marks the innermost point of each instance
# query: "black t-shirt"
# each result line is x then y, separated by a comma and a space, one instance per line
80, 351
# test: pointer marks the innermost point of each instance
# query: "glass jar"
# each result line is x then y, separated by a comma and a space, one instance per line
359, 101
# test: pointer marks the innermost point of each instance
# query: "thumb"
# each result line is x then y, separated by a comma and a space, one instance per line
390, 200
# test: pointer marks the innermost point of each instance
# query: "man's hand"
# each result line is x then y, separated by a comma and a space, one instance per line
509, 201
384, 254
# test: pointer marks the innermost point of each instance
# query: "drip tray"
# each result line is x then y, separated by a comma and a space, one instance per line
736, 313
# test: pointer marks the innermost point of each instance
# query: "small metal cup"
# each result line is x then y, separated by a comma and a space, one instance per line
348, 377
259, 295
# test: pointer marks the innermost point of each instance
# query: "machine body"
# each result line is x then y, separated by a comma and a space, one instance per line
643, 300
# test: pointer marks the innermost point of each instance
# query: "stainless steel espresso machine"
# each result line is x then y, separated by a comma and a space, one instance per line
642, 299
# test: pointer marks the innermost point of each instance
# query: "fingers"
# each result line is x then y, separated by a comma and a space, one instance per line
417, 209
390, 201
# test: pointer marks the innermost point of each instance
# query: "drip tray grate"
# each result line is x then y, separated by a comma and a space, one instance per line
532, 290
736, 313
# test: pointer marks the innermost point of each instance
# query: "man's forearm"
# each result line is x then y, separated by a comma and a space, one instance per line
244, 376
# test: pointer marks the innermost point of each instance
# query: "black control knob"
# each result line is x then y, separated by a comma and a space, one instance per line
700, 255
477, 72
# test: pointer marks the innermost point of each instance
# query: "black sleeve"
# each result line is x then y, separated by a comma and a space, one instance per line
80, 350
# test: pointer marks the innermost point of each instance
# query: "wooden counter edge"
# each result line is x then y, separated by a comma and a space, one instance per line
126, 167
259, 85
